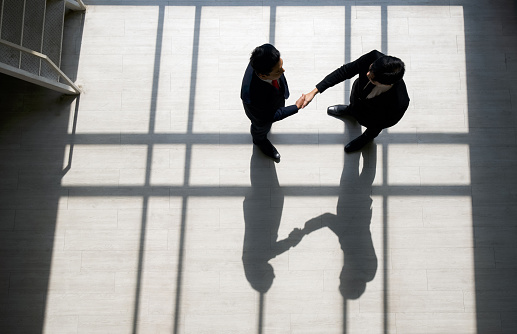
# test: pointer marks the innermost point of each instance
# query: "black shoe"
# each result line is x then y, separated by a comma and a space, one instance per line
268, 149
357, 144
338, 110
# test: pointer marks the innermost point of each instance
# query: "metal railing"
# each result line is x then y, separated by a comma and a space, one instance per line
68, 88
76, 4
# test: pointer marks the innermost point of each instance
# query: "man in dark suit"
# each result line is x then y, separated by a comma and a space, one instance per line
263, 92
378, 99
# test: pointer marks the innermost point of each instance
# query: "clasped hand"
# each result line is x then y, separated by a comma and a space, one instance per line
305, 99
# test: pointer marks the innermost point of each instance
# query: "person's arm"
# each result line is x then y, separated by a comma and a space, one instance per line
349, 70
284, 112
346, 71
309, 96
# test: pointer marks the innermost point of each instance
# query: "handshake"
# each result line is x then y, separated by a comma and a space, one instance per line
305, 99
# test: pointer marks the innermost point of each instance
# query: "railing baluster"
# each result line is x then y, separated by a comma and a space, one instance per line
47, 60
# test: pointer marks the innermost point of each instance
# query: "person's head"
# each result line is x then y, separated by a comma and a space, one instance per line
386, 70
266, 62
259, 274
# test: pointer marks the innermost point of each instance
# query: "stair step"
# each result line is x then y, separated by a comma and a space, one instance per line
33, 34
36, 79
11, 30
53, 36
29, 27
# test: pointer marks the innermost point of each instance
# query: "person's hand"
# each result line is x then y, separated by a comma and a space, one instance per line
300, 101
309, 97
295, 237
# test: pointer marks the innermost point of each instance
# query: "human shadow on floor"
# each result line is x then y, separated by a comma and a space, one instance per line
262, 216
351, 224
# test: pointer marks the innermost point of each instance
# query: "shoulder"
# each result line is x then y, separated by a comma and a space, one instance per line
375, 53
372, 56
248, 83
363, 63
248, 76
400, 87
400, 93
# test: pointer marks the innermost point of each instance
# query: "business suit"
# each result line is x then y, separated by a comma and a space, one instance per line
376, 113
264, 104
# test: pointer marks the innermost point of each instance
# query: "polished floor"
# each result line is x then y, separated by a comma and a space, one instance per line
142, 207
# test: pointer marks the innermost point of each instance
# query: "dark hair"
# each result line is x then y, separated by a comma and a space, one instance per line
264, 58
387, 70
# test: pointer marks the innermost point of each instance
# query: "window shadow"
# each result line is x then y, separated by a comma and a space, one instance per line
30, 198
28, 236
31, 194
490, 33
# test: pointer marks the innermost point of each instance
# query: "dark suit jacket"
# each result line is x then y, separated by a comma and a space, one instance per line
380, 112
263, 103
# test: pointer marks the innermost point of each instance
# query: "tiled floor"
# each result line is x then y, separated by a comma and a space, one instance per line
142, 207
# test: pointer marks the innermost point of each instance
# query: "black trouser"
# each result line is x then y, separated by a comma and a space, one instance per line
371, 132
259, 130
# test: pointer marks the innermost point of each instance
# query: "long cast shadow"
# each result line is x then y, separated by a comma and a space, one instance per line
488, 301
31, 190
149, 159
351, 223
493, 164
262, 221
